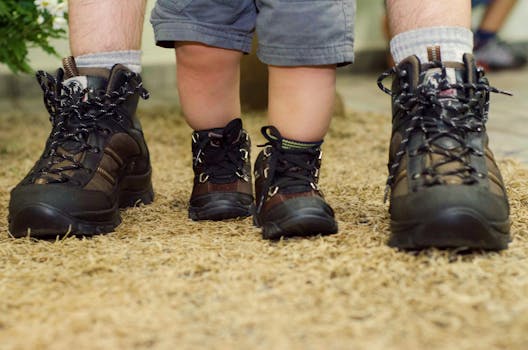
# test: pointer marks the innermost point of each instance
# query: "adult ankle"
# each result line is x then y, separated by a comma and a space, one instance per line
128, 58
454, 42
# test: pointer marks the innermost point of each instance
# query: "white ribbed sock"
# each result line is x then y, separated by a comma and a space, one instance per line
454, 42
131, 59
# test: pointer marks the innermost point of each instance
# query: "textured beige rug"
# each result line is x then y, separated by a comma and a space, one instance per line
162, 281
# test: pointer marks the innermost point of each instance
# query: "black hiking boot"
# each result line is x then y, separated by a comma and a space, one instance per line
222, 173
446, 190
95, 160
289, 202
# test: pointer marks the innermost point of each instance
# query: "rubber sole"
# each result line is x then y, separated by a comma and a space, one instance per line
231, 206
460, 228
44, 221
304, 222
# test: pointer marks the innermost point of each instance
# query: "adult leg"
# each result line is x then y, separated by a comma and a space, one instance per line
445, 187
496, 14
491, 52
105, 25
106, 32
406, 15
415, 25
96, 159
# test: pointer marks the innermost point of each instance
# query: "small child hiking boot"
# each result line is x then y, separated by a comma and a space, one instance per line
95, 160
288, 200
446, 190
222, 173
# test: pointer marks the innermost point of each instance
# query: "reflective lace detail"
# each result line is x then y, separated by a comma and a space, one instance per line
296, 170
74, 115
430, 111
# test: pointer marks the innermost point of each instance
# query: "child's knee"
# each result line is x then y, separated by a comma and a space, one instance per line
195, 54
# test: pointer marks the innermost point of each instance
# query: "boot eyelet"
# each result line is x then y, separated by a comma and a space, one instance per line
314, 186
267, 152
273, 191
242, 175
481, 175
266, 172
203, 177
416, 176
245, 154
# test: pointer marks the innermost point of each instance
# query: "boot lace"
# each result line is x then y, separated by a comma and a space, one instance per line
221, 154
426, 110
288, 168
73, 117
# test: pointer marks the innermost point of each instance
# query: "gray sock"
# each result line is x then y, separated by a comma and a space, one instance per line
131, 59
454, 42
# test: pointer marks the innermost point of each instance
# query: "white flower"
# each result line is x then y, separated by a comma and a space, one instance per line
40, 19
59, 9
46, 5
59, 23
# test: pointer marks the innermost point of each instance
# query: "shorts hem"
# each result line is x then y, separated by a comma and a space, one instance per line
166, 34
340, 55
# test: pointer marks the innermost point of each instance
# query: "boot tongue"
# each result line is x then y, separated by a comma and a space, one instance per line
433, 77
449, 73
437, 78
93, 79
77, 79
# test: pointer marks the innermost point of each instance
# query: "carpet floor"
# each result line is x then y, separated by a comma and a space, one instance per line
162, 281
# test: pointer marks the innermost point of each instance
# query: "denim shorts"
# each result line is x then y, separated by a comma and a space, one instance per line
290, 32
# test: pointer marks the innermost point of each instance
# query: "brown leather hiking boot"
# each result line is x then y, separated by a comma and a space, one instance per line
445, 187
95, 160
289, 202
222, 173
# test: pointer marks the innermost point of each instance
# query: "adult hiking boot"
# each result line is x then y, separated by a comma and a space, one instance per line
95, 160
446, 190
288, 199
222, 173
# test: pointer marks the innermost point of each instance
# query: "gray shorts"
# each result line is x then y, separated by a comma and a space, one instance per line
290, 32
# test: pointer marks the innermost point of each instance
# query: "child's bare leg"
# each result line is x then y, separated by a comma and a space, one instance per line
208, 84
301, 100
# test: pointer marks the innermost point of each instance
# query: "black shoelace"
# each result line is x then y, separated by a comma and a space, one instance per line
287, 168
426, 111
222, 154
74, 117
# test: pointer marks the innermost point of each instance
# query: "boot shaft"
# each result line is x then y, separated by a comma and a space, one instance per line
95, 132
